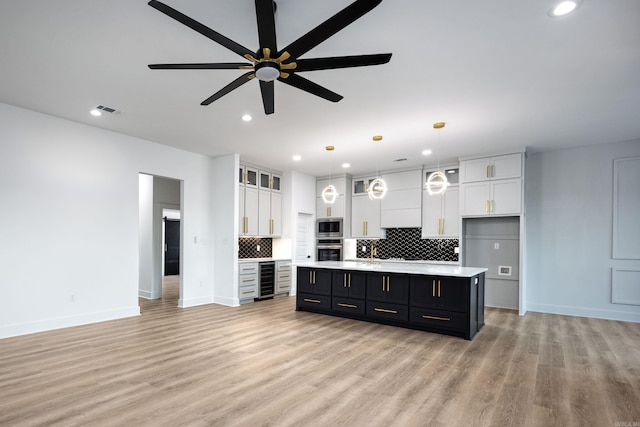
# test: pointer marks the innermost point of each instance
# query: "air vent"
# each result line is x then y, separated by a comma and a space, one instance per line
108, 109
400, 160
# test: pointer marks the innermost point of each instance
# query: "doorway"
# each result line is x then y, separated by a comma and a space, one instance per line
159, 204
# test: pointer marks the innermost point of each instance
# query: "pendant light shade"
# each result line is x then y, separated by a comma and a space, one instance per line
329, 194
437, 182
377, 188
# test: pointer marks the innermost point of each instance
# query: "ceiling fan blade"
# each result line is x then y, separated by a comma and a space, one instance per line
202, 29
329, 27
341, 62
206, 66
267, 96
311, 87
266, 24
228, 88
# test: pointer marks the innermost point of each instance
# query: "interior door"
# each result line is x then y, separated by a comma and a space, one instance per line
171, 247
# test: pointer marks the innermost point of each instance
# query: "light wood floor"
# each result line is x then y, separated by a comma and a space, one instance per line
266, 364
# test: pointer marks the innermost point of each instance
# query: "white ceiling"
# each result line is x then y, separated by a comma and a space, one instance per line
502, 74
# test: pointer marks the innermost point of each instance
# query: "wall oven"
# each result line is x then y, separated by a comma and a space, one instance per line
329, 228
329, 250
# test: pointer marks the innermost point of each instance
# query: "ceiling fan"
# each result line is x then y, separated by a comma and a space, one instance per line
268, 63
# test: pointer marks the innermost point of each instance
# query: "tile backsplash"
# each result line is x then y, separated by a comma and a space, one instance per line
248, 247
407, 243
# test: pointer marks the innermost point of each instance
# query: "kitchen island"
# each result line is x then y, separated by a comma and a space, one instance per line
431, 297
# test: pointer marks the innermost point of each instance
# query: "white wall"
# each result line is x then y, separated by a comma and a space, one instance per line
569, 232
69, 200
224, 194
145, 236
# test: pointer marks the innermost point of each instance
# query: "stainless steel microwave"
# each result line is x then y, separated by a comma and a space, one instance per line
329, 227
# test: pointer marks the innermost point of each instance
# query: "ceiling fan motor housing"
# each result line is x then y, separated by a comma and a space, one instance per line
267, 71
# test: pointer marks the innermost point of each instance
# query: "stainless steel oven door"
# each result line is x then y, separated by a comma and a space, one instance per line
329, 227
329, 252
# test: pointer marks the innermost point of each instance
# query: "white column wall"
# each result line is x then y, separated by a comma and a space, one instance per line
569, 232
69, 203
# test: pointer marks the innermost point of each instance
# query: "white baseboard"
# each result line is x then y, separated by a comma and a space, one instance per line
585, 312
193, 302
66, 322
145, 294
229, 302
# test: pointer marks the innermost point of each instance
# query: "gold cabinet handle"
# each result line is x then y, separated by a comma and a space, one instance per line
388, 279
382, 283
312, 300
384, 310
433, 288
314, 277
310, 277
446, 319
486, 206
488, 171
364, 232
491, 204
367, 228
349, 280
438, 288
347, 305
344, 280
493, 171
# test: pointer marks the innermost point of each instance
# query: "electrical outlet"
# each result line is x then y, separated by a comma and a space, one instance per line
364, 248
496, 245
456, 250
258, 248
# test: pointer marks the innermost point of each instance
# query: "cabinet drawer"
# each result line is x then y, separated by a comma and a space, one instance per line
314, 301
248, 267
248, 280
284, 276
388, 311
437, 318
283, 266
348, 305
246, 292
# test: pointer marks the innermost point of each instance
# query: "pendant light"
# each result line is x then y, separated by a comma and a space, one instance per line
377, 188
330, 193
437, 182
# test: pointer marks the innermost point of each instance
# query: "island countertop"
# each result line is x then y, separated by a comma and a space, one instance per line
389, 267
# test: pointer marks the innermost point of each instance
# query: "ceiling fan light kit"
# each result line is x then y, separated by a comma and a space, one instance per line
285, 64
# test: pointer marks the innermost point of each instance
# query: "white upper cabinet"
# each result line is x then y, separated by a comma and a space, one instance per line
402, 205
490, 168
365, 217
502, 197
269, 181
441, 214
491, 185
260, 210
361, 185
341, 207
330, 210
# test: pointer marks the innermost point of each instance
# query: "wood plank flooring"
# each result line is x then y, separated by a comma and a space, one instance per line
264, 364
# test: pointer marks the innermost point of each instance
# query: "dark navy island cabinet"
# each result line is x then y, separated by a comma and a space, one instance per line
441, 304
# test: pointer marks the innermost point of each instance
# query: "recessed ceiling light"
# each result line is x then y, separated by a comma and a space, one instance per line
426, 152
247, 118
297, 157
346, 165
95, 112
563, 8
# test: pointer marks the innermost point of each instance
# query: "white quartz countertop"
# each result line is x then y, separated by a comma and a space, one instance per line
390, 267
262, 259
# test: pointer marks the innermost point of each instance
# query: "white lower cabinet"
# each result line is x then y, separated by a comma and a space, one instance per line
283, 276
441, 214
485, 198
247, 281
